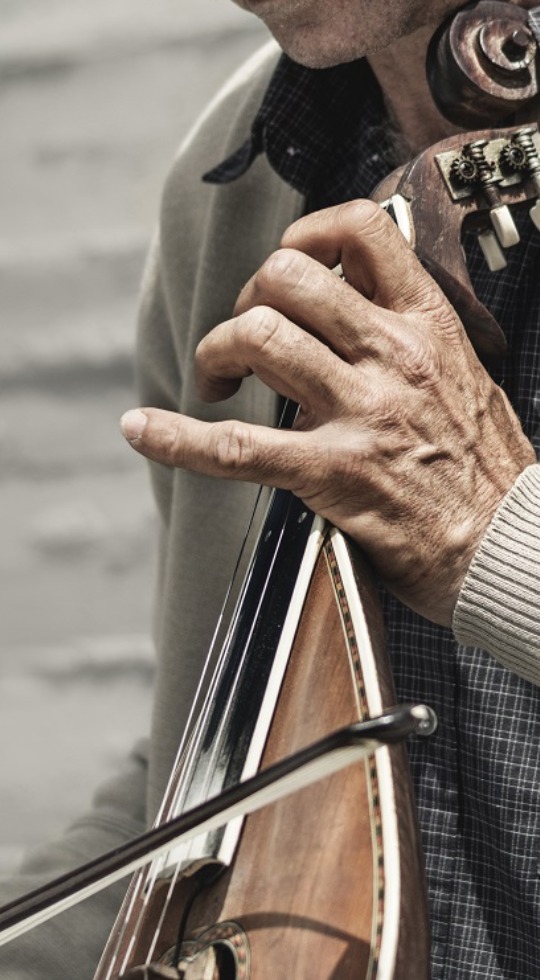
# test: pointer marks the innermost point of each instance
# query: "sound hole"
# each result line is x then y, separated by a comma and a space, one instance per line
214, 963
219, 953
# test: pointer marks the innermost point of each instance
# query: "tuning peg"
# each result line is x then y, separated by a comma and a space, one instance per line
522, 155
491, 250
534, 214
504, 225
501, 219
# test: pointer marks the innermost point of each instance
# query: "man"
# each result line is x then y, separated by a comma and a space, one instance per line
403, 440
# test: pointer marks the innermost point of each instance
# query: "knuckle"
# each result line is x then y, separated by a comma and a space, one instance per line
172, 446
446, 317
366, 218
232, 446
259, 328
420, 361
206, 346
284, 267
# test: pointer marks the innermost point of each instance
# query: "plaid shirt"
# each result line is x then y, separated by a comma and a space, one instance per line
478, 778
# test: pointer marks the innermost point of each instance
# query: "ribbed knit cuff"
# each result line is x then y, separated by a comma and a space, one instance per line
498, 607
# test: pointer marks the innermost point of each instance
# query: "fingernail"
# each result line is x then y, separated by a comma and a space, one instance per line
133, 424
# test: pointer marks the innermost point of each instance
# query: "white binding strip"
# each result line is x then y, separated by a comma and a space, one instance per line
185, 855
392, 876
277, 673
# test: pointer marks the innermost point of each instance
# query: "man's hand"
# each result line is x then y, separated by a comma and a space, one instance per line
402, 439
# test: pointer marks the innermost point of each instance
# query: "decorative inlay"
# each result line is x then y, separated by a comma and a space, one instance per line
354, 654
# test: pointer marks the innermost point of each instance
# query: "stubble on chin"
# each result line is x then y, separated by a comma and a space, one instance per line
318, 34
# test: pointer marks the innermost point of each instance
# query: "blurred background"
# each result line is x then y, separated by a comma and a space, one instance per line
94, 98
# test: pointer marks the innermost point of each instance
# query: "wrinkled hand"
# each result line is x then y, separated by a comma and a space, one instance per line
402, 439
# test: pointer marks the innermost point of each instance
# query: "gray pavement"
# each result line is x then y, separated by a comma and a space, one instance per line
94, 98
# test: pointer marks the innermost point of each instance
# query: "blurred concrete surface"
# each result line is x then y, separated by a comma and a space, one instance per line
94, 98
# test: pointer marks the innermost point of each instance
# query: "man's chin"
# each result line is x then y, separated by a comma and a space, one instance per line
321, 60
323, 54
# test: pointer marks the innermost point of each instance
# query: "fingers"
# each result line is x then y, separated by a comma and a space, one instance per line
364, 315
231, 449
285, 357
315, 298
374, 255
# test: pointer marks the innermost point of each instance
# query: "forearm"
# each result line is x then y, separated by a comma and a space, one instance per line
499, 604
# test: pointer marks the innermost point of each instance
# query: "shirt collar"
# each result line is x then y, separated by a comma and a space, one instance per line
324, 131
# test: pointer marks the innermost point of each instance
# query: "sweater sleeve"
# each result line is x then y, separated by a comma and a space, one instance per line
498, 607
70, 944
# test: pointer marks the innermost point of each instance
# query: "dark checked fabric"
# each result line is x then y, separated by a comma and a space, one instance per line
478, 779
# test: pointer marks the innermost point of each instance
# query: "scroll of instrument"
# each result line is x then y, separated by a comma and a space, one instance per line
287, 844
482, 68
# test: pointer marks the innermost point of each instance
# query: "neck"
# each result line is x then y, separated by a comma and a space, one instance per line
400, 71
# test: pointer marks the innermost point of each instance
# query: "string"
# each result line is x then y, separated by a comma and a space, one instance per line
191, 741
